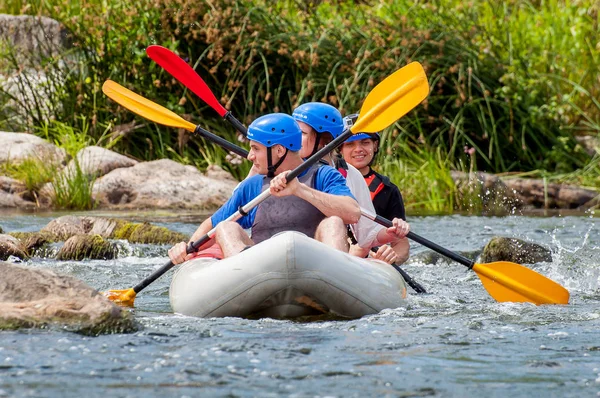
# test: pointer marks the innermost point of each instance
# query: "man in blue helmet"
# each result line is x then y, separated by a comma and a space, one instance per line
318, 203
321, 123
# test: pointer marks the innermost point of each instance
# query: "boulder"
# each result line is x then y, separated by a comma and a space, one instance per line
10, 246
590, 143
41, 298
79, 247
95, 161
15, 147
161, 184
514, 250
33, 38
12, 194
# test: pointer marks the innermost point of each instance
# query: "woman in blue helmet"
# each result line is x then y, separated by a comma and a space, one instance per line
317, 203
320, 124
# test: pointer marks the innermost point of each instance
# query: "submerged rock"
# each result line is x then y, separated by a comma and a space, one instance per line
432, 257
145, 233
514, 250
66, 226
41, 298
79, 247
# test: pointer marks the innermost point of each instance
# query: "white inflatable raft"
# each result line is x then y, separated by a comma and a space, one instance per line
287, 276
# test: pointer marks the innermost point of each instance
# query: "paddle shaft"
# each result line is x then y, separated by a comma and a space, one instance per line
236, 123
222, 142
425, 242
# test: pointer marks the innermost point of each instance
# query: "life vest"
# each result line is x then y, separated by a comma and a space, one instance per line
289, 213
375, 184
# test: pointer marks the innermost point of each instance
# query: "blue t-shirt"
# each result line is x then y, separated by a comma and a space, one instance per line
327, 179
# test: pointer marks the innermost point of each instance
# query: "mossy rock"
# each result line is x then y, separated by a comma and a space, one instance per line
32, 241
10, 246
79, 247
145, 233
514, 250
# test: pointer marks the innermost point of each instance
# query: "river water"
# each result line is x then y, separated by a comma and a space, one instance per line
455, 341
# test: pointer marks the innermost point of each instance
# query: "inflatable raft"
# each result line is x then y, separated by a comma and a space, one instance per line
287, 276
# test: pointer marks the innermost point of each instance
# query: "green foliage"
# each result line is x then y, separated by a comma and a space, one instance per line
421, 172
73, 189
513, 79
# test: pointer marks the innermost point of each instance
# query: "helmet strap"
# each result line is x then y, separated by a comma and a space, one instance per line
272, 167
316, 146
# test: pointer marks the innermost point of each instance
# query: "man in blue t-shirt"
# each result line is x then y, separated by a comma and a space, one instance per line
317, 203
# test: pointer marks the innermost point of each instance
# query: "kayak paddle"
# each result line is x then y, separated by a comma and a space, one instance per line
504, 281
161, 115
183, 72
395, 96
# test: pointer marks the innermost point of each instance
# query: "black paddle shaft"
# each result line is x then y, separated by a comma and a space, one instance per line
236, 123
191, 248
222, 142
427, 243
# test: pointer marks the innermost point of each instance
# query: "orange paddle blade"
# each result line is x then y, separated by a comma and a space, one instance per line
506, 281
124, 298
144, 107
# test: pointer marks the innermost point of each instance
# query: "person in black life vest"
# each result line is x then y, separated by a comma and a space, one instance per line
360, 151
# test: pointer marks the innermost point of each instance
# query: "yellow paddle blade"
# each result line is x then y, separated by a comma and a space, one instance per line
144, 107
506, 281
124, 298
391, 99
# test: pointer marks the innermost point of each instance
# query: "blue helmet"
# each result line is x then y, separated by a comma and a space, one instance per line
349, 122
362, 136
276, 128
324, 118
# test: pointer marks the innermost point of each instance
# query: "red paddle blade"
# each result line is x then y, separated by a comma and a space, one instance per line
181, 71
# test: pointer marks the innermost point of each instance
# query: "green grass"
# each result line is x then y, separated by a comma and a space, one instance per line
73, 190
